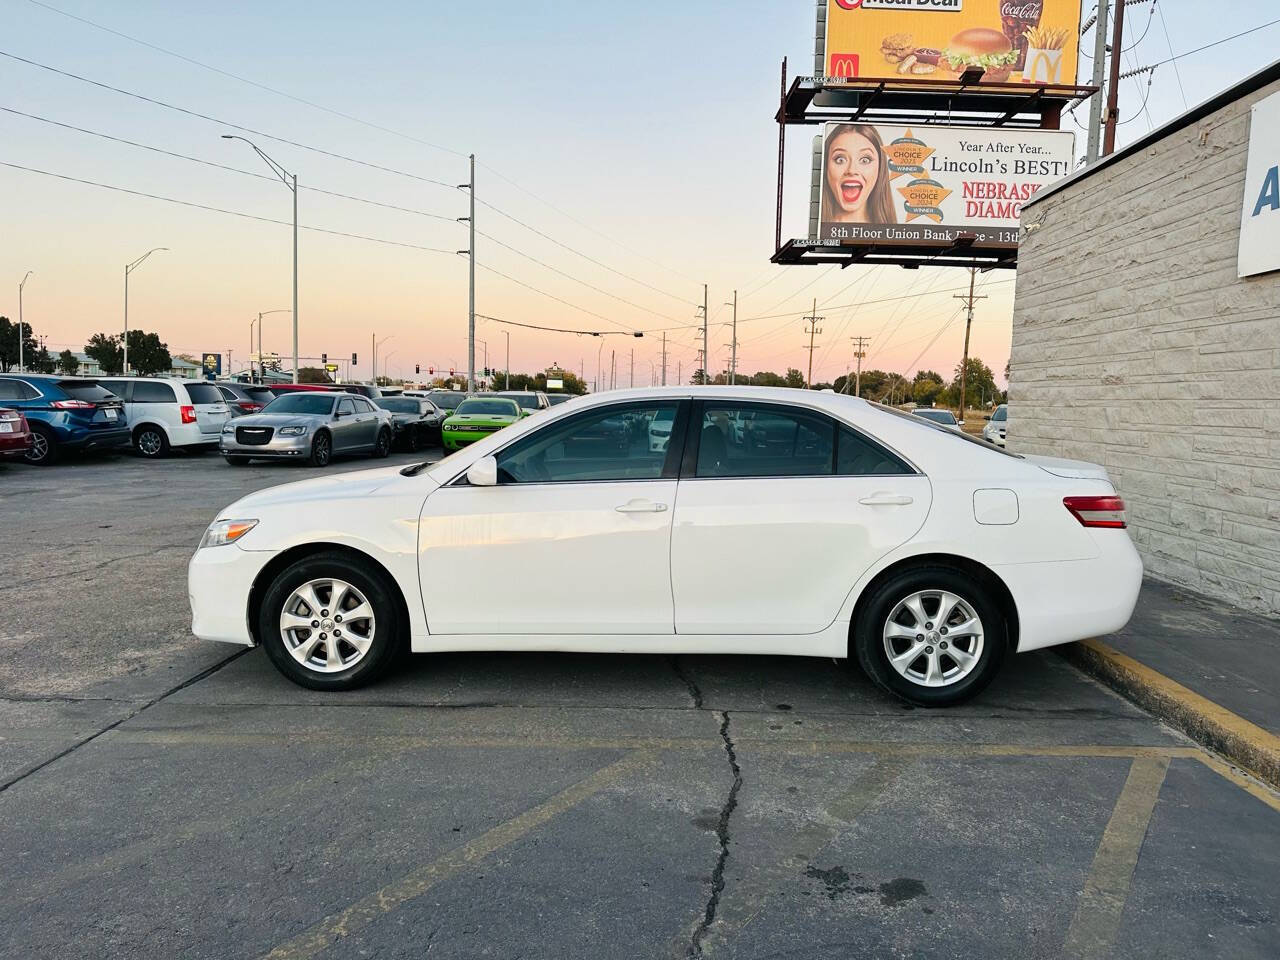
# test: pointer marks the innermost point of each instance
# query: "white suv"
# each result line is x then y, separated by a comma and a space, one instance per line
166, 412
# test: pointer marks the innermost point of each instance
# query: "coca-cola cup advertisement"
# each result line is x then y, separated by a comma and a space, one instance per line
1016, 18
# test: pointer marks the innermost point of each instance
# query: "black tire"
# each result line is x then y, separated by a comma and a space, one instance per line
236, 461
414, 440
150, 441
388, 636
44, 446
869, 646
382, 448
321, 450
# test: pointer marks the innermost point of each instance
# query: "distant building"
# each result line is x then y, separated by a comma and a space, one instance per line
182, 369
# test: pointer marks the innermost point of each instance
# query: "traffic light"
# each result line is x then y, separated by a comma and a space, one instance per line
416, 371
451, 371
486, 371
353, 358
324, 358
431, 371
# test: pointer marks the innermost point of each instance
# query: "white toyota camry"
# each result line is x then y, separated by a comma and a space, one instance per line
771, 521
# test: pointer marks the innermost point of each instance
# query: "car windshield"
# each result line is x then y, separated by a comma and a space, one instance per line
937, 416
399, 404
204, 393
1001, 414
258, 394
447, 401
558, 398
317, 404
89, 390
484, 407
528, 401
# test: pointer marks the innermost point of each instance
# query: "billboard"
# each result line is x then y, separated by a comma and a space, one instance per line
211, 363
1260, 217
886, 184
1014, 41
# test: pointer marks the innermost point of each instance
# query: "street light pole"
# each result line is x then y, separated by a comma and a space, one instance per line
20, 327
507, 375
599, 364
290, 180
128, 269
262, 364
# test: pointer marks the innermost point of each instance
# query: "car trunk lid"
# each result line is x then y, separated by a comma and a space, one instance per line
1069, 469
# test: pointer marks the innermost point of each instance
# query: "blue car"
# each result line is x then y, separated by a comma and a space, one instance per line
65, 413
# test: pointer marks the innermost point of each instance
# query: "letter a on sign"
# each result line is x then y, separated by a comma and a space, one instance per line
1260, 213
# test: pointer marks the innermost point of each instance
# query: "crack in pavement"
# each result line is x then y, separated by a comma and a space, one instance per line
722, 835
129, 716
695, 693
97, 566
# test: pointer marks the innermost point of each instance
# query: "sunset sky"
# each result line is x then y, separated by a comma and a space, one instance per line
637, 134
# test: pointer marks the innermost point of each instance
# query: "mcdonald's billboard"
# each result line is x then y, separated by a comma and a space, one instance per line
1012, 41
926, 185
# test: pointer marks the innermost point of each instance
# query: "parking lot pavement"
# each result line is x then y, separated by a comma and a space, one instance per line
162, 797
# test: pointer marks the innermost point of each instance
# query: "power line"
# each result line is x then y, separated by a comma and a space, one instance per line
535, 326
1234, 36
1176, 72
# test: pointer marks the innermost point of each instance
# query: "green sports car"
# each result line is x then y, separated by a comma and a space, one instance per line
477, 417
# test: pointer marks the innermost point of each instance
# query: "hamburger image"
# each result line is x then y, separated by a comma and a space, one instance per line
989, 50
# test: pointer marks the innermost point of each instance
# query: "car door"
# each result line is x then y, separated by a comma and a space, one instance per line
574, 539
153, 401
345, 430
367, 423
775, 524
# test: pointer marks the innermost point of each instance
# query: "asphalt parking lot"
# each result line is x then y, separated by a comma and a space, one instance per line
165, 797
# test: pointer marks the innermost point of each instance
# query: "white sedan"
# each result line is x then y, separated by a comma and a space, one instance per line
827, 527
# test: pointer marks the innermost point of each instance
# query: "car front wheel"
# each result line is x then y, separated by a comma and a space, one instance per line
321, 450
383, 447
932, 636
329, 622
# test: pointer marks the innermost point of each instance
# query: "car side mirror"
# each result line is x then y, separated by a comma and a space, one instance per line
338, 415
987, 417
483, 473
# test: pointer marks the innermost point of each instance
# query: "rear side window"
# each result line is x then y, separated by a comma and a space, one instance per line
203, 393
770, 442
15, 390
89, 390
363, 405
856, 456
151, 391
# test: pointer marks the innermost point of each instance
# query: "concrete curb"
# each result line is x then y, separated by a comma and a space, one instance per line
1212, 726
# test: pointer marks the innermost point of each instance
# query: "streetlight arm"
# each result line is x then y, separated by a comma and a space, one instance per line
130, 267
278, 170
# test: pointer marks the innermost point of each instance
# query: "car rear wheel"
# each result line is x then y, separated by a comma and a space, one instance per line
383, 447
44, 446
321, 450
328, 622
932, 636
150, 442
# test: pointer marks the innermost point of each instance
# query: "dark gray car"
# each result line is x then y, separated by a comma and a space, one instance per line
417, 420
311, 426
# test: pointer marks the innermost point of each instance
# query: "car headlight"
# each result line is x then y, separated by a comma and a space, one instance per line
229, 427
292, 431
226, 531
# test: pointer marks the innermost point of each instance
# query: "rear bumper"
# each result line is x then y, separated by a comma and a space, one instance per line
1064, 601
108, 439
219, 580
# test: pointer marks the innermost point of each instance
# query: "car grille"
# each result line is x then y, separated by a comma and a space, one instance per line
471, 428
253, 436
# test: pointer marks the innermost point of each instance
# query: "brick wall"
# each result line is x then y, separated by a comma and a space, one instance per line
1136, 346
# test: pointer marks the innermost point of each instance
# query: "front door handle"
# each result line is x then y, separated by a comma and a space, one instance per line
886, 500
641, 506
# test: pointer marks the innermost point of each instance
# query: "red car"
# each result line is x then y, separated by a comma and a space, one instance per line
15, 435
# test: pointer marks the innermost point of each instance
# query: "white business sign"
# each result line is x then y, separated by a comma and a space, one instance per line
1260, 217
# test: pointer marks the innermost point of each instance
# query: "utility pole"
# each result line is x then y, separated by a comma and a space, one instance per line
22, 329
664, 359
964, 363
679, 372
813, 320
859, 351
471, 277
733, 342
1099, 68
507, 374
1113, 83
613, 369
706, 357
373, 355
633, 366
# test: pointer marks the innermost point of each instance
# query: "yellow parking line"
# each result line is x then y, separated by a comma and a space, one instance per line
1093, 928
1245, 743
369, 908
1247, 784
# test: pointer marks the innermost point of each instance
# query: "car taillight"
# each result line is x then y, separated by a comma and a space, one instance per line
1097, 511
188, 414
72, 405
250, 407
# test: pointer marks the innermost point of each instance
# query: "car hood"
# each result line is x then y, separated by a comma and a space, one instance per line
1070, 469
343, 486
483, 418
281, 420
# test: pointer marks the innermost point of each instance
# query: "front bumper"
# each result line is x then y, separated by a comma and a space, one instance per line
219, 580
282, 448
453, 439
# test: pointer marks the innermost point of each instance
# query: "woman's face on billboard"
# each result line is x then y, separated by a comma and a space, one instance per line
853, 165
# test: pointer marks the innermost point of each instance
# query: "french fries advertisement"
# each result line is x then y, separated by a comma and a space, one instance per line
1009, 41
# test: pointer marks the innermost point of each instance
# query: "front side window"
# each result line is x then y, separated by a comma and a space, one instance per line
346, 408
151, 391
608, 444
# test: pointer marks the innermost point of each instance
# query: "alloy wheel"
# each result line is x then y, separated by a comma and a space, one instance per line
39, 447
150, 443
933, 638
327, 625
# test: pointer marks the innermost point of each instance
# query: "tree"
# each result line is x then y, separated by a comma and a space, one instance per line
795, 379
767, 378
147, 355
105, 348
42, 362
314, 375
873, 382
9, 344
699, 376
925, 391
979, 383
68, 364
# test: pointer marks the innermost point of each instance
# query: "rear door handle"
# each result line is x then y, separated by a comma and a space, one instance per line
641, 506
886, 500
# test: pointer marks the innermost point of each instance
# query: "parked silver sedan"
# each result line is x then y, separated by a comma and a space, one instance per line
310, 426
